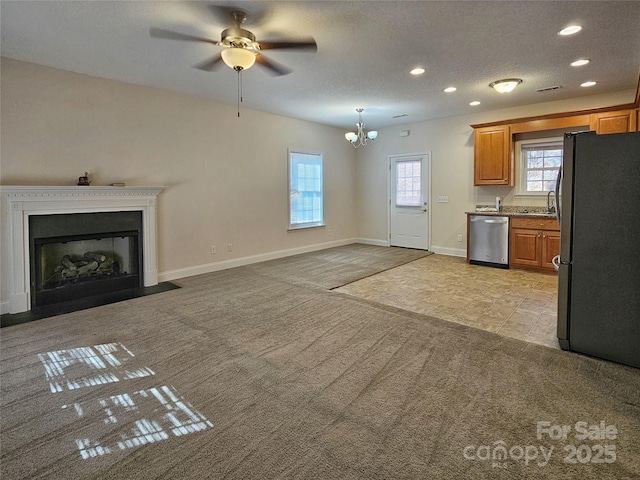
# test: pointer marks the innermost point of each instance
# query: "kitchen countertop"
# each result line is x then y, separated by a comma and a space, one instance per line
511, 211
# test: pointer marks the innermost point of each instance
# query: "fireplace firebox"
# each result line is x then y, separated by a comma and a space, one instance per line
79, 255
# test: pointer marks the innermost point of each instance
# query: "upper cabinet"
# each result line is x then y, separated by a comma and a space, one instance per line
494, 142
493, 160
614, 122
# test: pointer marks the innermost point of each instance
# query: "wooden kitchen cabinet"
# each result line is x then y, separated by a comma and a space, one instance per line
533, 242
550, 247
614, 122
493, 160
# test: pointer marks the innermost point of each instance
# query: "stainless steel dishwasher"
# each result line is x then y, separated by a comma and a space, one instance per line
489, 240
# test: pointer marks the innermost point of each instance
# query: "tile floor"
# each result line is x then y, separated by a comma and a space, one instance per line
514, 303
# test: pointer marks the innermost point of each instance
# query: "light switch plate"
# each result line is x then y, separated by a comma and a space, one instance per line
442, 199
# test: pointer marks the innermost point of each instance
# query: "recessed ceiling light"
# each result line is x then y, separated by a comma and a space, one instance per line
570, 30
450, 89
474, 103
579, 63
590, 83
417, 71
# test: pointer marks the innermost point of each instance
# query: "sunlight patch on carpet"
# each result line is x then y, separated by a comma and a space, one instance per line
122, 421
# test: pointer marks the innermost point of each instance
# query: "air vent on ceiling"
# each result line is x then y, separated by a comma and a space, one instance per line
548, 89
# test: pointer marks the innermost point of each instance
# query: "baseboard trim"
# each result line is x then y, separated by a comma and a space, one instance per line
372, 241
241, 261
452, 252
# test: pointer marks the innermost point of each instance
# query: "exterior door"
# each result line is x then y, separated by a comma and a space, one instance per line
409, 201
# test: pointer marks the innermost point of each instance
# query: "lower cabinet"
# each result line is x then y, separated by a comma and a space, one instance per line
533, 242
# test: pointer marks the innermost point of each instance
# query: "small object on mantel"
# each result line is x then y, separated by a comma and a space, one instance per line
84, 181
118, 184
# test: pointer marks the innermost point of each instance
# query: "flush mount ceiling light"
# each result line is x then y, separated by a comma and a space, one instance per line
475, 103
570, 30
450, 89
360, 139
417, 71
581, 62
588, 84
506, 85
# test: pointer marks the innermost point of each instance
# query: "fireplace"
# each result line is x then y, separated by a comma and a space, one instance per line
80, 255
63, 243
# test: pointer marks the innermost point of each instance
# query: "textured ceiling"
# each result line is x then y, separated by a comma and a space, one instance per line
365, 50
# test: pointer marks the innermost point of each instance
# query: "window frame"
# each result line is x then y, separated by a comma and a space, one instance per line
291, 153
521, 163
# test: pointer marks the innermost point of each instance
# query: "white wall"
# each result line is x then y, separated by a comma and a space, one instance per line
450, 141
226, 177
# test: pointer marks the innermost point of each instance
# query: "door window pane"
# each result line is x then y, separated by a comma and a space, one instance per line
409, 183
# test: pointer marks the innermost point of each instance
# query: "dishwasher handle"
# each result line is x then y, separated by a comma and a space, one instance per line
486, 220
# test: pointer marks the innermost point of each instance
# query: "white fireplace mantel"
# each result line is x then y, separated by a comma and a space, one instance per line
19, 202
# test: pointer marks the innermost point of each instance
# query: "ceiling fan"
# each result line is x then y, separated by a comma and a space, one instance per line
240, 47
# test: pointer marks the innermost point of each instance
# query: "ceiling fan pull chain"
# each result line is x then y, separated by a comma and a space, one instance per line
239, 89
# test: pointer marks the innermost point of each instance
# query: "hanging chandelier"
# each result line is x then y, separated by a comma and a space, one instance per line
360, 138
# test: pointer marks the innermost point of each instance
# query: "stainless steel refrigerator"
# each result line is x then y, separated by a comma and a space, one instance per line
598, 192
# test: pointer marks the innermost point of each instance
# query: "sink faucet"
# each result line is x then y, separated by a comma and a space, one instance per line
551, 208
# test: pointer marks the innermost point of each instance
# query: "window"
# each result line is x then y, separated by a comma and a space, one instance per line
539, 164
408, 183
306, 197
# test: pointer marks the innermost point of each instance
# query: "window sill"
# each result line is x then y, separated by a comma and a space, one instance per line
305, 227
531, 195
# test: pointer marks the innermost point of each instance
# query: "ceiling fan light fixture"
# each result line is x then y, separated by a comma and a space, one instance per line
506, 85
238, 58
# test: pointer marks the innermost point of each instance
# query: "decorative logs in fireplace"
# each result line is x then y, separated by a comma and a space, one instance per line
91, 263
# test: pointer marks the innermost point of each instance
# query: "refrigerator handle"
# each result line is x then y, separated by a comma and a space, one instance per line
557, 197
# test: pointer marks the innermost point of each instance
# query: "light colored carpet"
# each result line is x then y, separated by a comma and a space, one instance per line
242, 375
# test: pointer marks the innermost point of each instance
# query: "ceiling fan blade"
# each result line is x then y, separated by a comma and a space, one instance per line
168, 34
209, 65
301, 44
275, 68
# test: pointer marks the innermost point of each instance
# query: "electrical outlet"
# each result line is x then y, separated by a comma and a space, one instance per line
230, 247
442, 199
459, 238
213, 250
